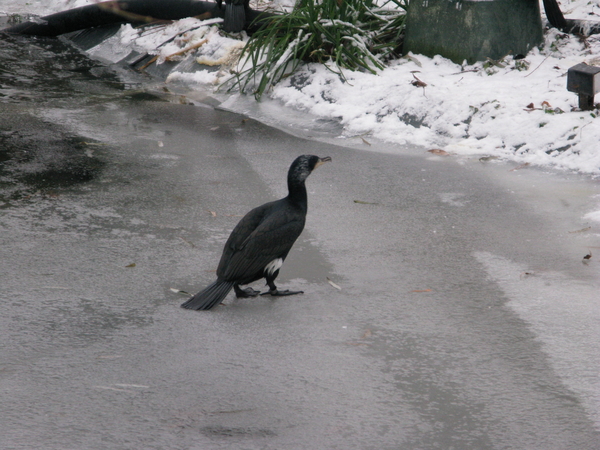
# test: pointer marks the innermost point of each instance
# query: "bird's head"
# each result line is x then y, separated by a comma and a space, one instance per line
303, 165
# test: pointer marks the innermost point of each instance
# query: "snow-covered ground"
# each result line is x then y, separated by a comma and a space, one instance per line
521, 111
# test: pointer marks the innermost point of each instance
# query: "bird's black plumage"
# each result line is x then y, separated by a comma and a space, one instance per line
261, 241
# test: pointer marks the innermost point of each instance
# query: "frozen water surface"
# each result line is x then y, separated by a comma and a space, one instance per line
465, 320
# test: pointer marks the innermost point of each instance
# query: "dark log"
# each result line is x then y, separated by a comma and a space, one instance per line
583, 27
554, 14
557, 20
125, 11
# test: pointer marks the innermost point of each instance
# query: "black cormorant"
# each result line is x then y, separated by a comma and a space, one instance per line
260, 242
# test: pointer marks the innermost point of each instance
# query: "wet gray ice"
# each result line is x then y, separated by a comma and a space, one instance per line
465, 318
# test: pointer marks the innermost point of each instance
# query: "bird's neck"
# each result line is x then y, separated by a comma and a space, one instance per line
297, 193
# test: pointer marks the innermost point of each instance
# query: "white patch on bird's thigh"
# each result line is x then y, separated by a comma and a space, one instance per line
273, 266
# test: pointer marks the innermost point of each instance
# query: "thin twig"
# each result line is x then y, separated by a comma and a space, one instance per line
114, 8
537, 66
187, 49
145, 66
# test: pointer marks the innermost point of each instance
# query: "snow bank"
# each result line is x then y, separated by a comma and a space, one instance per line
517, 109
514, 109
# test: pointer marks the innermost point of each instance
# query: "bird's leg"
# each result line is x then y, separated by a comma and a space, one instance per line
244, 293
275, 292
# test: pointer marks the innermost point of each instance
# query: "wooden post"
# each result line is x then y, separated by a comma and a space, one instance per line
584, 80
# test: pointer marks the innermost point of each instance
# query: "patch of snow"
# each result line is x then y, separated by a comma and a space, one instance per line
518, 110
595, 216
524, 115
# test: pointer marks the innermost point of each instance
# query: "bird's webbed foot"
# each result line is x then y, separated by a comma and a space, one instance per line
245, 293
278, 293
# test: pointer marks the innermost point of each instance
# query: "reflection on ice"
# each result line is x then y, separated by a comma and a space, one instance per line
560, 312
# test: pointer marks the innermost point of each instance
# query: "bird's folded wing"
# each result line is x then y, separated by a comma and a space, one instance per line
269, 241
246, 226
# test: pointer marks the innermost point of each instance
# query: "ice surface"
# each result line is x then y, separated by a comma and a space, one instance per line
465, 319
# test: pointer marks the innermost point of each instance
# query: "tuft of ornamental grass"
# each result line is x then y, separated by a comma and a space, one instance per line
342, 34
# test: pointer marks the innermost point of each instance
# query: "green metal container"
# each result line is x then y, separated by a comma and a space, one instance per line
472, 30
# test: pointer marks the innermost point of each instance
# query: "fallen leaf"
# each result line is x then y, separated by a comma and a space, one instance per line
212, 213
413, 59
580, 231
130, 265
522, 166
333, 284
110, 388
93, 143
140, 386
366, 334
179, 291
583, 40
231, 411
527, 274
418, 83
365, 141
421, 290
496, 62
530, 107
188, 242
546, 104
360, 202
488, 158
439, 151
587, 258
109, 356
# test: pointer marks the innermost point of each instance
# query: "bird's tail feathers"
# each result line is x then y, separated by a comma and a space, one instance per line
210, 296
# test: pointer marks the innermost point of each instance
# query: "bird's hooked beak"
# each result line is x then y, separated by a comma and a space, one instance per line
323, 161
